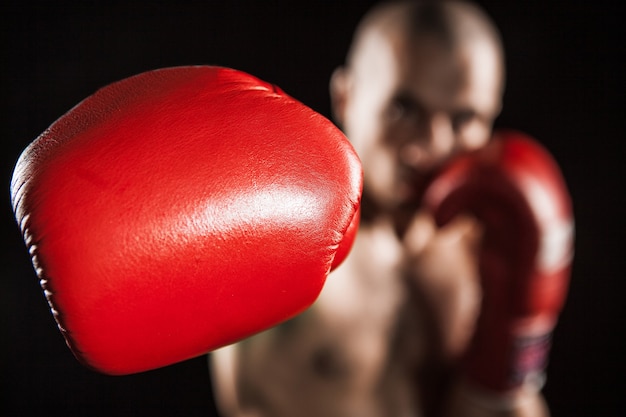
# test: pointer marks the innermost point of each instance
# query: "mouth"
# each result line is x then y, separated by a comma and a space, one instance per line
413, 184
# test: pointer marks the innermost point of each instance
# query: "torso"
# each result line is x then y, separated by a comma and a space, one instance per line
358, 351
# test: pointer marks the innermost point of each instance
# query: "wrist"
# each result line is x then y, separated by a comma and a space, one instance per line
506, 400
469, 399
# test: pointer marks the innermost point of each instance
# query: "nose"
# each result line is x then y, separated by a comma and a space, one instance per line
432, 143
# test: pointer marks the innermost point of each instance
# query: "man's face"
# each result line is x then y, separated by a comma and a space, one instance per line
412, 104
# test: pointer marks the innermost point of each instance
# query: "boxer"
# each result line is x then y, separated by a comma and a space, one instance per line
392, 331
183, 209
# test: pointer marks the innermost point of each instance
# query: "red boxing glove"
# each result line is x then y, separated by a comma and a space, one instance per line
515, 189
183, 209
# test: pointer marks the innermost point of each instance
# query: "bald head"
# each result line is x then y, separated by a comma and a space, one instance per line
454, 25
422, 81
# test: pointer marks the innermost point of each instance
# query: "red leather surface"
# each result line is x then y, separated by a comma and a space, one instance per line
516, 190
180, 210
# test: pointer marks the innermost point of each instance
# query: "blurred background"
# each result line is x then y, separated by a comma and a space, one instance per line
566, 69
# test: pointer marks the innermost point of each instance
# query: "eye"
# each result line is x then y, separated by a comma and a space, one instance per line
401, 107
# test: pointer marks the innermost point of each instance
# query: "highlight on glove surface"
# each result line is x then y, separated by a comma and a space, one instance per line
183, 209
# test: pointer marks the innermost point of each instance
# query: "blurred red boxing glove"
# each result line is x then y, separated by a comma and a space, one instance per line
515, 189
183, 209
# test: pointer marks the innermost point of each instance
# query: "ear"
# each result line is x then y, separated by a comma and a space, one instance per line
339, 88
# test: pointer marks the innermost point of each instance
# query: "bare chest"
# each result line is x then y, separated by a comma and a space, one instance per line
354, 352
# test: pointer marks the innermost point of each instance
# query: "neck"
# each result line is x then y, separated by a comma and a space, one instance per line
399, 215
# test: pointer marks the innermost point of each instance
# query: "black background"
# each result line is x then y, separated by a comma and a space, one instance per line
565, 86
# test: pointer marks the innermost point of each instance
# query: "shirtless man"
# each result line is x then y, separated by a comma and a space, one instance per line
422, 82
